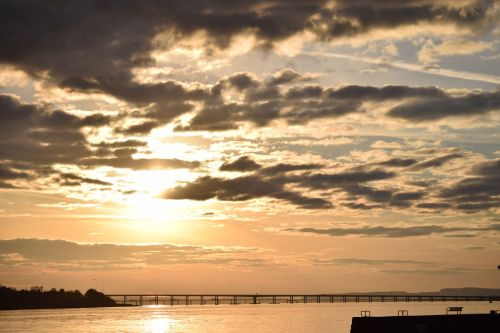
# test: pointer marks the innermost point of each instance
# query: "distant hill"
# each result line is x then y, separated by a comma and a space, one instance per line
467, 291
36, 298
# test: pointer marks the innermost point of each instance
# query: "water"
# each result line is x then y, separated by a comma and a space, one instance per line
288, 318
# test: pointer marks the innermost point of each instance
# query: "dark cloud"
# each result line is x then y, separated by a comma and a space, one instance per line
382, 231
128, 162
40, 137
263, 102
287, 76
342, 179
430, 109
398, 162
238, 81
245, 163
242, 189
479, 191
71, 179
370, 262
354, 183
389, 92
351, 18
361, 206
10, 174
436, 162
272, 182
31, 133
67, 255
5, 185
433, 205
93, 46
474, 248
142, 128
242, 164
285, 167
17, 118
122, 144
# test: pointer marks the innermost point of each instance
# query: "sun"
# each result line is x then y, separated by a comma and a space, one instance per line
146, 209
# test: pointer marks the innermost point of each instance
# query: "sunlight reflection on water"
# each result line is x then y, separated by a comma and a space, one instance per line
158, 325
290, 318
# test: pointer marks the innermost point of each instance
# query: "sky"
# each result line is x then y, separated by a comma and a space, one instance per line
250, 145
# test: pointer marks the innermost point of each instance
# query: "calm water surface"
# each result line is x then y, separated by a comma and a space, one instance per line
222, 318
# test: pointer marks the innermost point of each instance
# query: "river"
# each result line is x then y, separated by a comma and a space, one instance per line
288, 318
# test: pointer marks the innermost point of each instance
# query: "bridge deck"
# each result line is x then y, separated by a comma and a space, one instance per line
216, 299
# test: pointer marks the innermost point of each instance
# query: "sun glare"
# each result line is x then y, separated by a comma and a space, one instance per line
144, 207
159, 325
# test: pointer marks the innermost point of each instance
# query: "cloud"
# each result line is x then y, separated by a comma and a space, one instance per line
479, 190
67, 255
242, 164
287, 76
34, 137
260, 103
71, 179
430, 53
454, 271
93, 48
309, 186
281, 168
474, 248
10, 174
32, 133
398, 162
352, 18
243, 189
382, 231
436, 161
128, 162
431, 109
142, 128
370, 262
273, 181
433, 205
346, 178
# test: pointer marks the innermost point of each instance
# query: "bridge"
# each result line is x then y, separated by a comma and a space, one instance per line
216, 299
